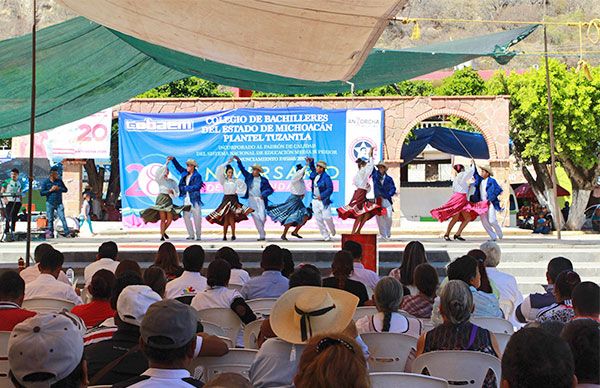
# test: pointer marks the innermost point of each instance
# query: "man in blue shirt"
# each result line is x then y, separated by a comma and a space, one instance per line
271, 284
384, 188
322, 188
190, 185
52, 188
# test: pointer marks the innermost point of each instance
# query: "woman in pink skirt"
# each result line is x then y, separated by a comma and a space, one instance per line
458, 208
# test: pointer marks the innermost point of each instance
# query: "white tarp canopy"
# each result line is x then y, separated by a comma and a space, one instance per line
317, 40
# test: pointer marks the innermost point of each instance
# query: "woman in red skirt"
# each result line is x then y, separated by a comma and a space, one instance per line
458, 208
360, 208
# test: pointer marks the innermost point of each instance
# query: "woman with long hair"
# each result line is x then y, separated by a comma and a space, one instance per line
156, 279
239, 276
230, 211
168, 260
486, 284
341, 269
562, 310
413, 255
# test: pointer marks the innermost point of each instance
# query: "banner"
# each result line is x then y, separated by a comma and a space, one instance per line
88, 138
276, 138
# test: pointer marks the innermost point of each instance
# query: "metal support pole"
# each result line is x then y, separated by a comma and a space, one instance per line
31, 136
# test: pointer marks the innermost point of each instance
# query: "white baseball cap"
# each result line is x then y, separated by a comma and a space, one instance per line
46, 343
133, 303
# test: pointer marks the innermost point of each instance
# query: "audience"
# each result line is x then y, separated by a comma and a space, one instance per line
99, 309
47, 351
586, 301
583, 337
533, 358
156, 279
332, 360
288, 262
191, 281
168, 260
31, 273
420, 305
239, 277
128, 265
341, 269
12, 293
360, 273
413, 255
484, 282
562, 309
533, 303
271, 283
105, 259
46, 285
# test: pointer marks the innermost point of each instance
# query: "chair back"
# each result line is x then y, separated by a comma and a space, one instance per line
502, 339
458, 367
226, 319
388, 351
228, 342
251, 331
261, 306
508, 307
212, 329
427, 325
405, 380
234, 287
364, 311
86, 297
47, 305
495, 325
4, 367
236, 361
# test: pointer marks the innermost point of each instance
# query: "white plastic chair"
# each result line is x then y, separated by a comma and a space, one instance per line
458, 367
261, 303
234, 287
4, 367
236, 361
364, 311
388, 352
502, 339
508, 307
86, 297
224, 318
47, 305
495, 325
213, 329
230, 344
405, 380
427, 325
251, 331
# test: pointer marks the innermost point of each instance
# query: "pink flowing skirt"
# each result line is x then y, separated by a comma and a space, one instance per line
360, 205
457, 204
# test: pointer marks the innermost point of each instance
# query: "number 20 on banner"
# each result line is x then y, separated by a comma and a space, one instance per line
87, 132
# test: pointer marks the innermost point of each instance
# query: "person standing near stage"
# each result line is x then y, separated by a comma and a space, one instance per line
53, 188
322, 188
487, 191
12, 192
257, 193
292, 211
190, 185
384, 188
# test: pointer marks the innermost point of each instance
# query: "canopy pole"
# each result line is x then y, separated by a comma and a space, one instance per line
557, 216
31, 136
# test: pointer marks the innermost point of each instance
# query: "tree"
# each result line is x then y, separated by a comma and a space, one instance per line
186, 88
463, 82
576, 126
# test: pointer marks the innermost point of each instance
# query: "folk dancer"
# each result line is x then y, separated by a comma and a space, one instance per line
292, 212
53, 188
230, 210
385, 189
164, 209
190, 185
322, 188
487, 191
257, 193
12, 191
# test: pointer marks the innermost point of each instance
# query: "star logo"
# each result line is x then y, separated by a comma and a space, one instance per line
360, 148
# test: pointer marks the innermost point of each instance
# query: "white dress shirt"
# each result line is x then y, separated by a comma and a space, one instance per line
508, 288
32, 272
297, 185
361, 179
483, 189
366, 276
316, 191
215, 297
461, 181
160, 378
230, 186
255, 187
189, 283
92, 268
238, 277
165, 185
46, 286
186, 200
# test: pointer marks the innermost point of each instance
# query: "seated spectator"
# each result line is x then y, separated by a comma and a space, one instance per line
31, 273
456, 332
168, 340
332, 352
420, 305
586, 301
128, 265
47, 351
413, 255
288, 262
191, 281
297, 316
543, 224
388, 297
341, 269
46, 285
360, 273
583, 337
228, 380
533, 303
271, 284
168, 260
156, 279
562, 309
596, 219
105, 259
534, 358
239, 277
485, 284
12, 293
506, 283
99, 309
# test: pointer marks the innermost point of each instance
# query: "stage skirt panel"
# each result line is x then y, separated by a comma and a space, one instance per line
229, 204
164, 203
457, 204
360, 205
292, 211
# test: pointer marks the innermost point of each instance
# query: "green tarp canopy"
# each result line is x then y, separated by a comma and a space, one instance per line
83, 67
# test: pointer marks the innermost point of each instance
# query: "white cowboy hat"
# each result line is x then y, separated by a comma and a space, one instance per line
322, 164
381, 164
487, 168
191, 162
258, 167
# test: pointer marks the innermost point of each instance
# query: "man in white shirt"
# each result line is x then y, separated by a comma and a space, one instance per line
105, 259
31, 273
361, 274
191, 281
488, 190
46, 285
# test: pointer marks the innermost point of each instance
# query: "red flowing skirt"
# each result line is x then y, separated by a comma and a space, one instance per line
360, 205
457, 204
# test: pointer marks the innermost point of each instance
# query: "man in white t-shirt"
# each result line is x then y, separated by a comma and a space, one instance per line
105, 259
46, 285
191, 281
31, 273
361, 274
